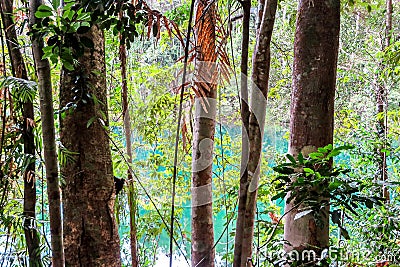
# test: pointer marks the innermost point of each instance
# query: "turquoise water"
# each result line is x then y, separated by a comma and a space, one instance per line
272, 140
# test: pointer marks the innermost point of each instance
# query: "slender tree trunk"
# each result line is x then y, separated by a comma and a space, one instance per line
19, 71
381, 99
90, 231
127, 127
203, 252
245, 114
312, 106
389, 22
49, 142
258, 104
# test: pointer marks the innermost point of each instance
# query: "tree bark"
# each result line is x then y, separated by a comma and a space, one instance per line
203, 252
245, 115
312, 106
132, 200
381, 103
19, 71
49, 141
90, 231
258, 104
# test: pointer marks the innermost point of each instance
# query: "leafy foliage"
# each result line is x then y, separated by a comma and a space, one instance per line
66, 32
23, 90
313, 184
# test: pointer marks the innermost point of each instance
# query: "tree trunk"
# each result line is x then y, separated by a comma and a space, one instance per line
203, 252
90, 231
19, 71
245, 115
258, 104
132, 203
49, 142
312, 106
381, 99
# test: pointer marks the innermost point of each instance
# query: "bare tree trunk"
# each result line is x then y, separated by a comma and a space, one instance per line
49, 142
389, 22
19, 71
381, 99
90, 231
203, 252
258, 104
132, 203
245, 114
312, 106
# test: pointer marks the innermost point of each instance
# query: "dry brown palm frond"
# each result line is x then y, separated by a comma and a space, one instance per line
205, 76
155, 21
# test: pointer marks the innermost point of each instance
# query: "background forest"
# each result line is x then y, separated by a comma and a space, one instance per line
106, 105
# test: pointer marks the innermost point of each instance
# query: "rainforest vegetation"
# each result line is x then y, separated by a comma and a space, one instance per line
199, 133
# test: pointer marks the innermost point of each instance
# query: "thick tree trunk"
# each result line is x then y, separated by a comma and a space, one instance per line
49, 142
258, 104
19, 71
312, 106
203, 252
90, 232
127, 128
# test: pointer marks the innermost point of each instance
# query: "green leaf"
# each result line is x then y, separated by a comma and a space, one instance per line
90, 121
291, 158
43, 14
300, 158
328, 147
344, 233
323, 149
55, 3
308, 170
334, 185
68, 65
283, 170
345, 147
333, 153
44, 8
68, 14
316, 155
83, 16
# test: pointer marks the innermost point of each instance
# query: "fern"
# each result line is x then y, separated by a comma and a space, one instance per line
22, 90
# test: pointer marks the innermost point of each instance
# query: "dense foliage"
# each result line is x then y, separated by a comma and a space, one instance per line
365, 227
